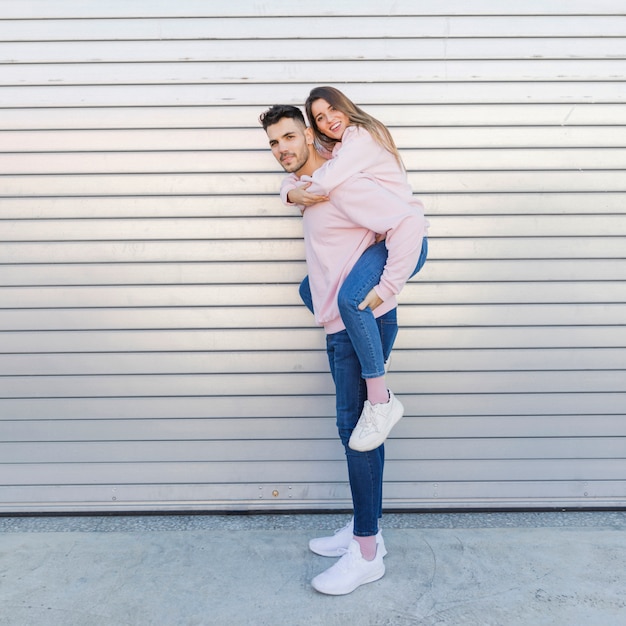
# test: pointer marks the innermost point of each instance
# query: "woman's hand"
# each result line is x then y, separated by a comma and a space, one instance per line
372, 300
301, 196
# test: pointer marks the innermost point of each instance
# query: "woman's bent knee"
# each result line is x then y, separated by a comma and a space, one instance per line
347, 301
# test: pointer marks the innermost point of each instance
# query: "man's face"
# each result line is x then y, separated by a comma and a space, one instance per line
289, 141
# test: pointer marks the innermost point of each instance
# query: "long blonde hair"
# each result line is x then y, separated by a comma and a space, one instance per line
356, 116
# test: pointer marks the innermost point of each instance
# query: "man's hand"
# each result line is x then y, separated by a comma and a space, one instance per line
371, 300
301, 196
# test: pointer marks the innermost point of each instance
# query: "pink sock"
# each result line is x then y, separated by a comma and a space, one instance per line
368, 546
377, 390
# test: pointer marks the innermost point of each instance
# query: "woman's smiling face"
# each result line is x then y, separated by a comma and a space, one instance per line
329, 120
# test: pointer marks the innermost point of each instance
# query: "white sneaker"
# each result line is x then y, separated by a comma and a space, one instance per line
349, 572
337, 544
375, 424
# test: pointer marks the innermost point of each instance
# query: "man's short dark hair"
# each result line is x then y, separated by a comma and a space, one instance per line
276, 113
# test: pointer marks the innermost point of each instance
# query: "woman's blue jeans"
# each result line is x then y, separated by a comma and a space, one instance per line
365, 469
361, 325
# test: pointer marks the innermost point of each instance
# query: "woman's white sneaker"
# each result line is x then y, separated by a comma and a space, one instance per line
350, 572
337, 544
375, 424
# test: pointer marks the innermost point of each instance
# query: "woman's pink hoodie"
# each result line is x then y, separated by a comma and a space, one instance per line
369, 194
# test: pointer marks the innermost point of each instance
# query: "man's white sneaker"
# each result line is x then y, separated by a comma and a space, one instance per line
349, 572
337, 544
375, 424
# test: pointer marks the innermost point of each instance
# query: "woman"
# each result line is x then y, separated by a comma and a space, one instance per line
361, 146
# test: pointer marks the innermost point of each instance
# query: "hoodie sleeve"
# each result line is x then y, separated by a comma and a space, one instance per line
357, 152
289, 183
404, 246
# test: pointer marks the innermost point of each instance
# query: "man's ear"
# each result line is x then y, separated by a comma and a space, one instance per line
310, 137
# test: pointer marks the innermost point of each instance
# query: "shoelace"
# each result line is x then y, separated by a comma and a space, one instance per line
370, 425
347, 557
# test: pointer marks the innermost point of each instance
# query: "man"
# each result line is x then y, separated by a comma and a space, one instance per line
335, 238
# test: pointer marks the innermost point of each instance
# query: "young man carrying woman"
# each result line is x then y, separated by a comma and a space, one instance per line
337, 233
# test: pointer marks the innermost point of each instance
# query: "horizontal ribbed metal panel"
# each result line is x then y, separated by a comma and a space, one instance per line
154, 354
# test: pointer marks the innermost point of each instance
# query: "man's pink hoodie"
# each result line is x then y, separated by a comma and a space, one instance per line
369, 194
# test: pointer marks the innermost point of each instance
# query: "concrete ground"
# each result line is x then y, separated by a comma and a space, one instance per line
478, 569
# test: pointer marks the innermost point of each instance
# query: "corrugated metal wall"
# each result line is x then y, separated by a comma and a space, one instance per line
153, 351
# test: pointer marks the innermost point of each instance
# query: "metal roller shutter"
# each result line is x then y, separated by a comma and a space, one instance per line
153, 351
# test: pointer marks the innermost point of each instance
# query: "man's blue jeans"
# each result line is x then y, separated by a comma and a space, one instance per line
361, 325
365, 469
